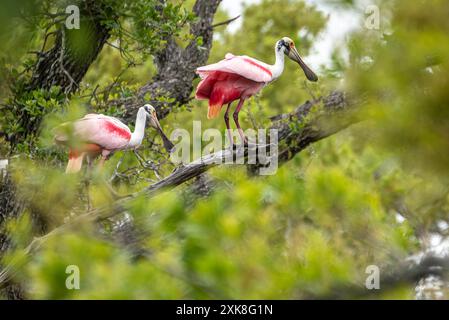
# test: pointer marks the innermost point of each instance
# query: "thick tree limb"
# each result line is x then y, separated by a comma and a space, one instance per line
65, 64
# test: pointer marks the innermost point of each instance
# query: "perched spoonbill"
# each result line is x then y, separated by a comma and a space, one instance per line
240, 77
97, 134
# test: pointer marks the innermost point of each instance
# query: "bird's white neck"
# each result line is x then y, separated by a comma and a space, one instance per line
139, 130
278, 66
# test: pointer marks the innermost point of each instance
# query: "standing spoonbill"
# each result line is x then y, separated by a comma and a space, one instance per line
240, 77
97, 134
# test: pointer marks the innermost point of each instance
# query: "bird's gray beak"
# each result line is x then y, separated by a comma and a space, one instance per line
168, 145
294, 55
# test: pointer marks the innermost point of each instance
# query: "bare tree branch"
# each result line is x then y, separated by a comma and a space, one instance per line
64, 65
176, 66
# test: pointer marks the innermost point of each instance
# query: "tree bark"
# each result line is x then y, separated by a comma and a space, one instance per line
176, 72
9, 208
64, 65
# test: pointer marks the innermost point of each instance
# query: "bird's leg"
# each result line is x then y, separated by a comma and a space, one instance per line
89, 176
104, 156
102, 161
236, 120
228, 127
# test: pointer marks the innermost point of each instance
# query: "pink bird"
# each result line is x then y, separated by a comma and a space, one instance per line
97, 134
240, 77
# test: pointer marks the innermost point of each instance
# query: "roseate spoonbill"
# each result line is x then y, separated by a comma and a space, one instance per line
240, 77
97, 134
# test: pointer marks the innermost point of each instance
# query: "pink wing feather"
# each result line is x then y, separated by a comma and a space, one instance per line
244, 66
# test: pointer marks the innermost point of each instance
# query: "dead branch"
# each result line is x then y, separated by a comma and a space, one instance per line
408, 272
